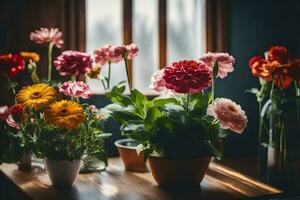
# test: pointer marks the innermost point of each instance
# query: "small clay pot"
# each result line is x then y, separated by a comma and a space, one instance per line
132, 160
173, 172
62, 173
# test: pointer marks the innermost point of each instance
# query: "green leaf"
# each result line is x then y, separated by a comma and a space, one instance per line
158, 101
252, 91
151, 116
140, 101
116, 95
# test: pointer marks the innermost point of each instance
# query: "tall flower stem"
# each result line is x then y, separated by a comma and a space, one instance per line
11, 87
109, 74
73, 78
212, 89
50, 48
127, 73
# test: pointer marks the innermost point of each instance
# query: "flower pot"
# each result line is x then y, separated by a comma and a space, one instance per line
132, 160
62, 173
173, 172
25, 162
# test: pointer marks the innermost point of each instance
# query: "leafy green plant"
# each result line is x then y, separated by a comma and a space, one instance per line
167, 126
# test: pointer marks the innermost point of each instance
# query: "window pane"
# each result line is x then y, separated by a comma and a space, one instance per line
145, 35
104, 26
185, 29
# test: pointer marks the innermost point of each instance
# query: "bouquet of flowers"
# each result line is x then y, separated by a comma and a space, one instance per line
279, 75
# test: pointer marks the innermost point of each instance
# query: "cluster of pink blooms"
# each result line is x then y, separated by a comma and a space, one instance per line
73, 63
230, 115
76, 89
114, 54
224, 60
194, 77
45, 35
225, 65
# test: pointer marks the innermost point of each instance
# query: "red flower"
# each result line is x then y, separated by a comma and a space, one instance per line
11, 64
279, 53
16, 110
294, 69
188, 76
73, 63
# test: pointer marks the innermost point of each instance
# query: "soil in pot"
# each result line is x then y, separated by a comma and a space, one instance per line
62, 173
178, 173
132, 160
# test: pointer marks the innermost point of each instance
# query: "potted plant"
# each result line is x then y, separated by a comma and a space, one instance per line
18, 142
109, 54
180, 130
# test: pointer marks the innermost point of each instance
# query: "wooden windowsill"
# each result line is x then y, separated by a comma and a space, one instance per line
220, 182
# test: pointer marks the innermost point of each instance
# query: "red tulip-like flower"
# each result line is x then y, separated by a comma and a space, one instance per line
279, 53
11, 64
188, 76
45, 35
73, 63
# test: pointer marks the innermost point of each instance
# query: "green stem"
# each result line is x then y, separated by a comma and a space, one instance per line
109, 73
73, 78
11, 87
103, 84
127, 73
297, 94
50, 48
212, 89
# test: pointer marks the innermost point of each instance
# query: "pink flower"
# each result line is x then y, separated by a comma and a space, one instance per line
106, 54
76, 89
157, 82
12, 123
73, 63
4, 112
132, 51
45, 35
229, 114
187, 76
127, 51
224, 60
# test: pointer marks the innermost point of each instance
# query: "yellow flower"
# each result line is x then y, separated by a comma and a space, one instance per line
30, 56
36, 96
94, 72
65, 114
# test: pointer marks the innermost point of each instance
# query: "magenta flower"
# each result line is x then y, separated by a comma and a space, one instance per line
45, 35
157, 82
230, 115
73, 63
224, 60
76, 89
106, 54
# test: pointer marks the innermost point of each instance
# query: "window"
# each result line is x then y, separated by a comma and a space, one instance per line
164, 30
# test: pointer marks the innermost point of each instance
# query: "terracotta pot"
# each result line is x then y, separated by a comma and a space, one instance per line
172, 172
132, 160
25, 162
62, 173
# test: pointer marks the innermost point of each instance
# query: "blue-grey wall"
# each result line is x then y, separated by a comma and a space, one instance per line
255, 25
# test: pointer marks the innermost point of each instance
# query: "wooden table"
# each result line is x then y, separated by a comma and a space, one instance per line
220, 183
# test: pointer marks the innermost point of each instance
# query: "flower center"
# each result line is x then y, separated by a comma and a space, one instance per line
35, 95
232, 108
64, 111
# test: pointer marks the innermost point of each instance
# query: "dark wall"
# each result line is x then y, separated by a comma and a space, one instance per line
254, 26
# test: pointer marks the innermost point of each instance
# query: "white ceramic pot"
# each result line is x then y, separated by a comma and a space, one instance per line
62, 173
